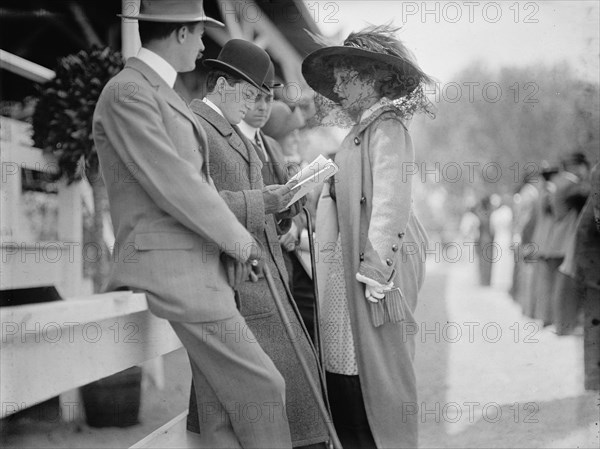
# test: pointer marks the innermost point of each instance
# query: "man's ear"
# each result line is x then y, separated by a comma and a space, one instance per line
181, 33
222, 85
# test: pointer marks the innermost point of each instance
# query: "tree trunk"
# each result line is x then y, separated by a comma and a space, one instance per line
100, 255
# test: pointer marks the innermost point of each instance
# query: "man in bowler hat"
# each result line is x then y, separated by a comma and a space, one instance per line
178, 241
240, 70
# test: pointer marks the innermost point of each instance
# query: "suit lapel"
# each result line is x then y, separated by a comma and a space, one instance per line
277, 161
253, 159
221, 125
168, 93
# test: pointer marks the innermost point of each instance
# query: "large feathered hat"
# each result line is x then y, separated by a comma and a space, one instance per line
375, 45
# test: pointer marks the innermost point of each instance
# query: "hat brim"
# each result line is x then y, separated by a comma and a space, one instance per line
273, 86
317, 75
209, 21
216, 64
283, 121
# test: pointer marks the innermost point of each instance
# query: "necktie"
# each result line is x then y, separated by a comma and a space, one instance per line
262, 153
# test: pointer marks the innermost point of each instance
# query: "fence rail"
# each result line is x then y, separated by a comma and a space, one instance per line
48, 349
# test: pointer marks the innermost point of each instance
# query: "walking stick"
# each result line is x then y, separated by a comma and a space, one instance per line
316, 317
334, 440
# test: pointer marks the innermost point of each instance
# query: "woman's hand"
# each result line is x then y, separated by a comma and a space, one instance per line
374, 291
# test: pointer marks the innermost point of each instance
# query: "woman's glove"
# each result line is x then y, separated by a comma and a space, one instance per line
374, 291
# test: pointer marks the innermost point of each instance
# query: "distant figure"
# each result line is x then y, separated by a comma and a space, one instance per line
538, 305
469, 226
571, 189
486, 251
587, 276
523, 212
501, 224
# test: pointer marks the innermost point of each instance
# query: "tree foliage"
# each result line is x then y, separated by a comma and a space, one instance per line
62, 122
62, 125
541, 114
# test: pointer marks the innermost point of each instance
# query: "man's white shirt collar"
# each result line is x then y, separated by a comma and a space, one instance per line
249, 131
157, 63
252, 133
213, 106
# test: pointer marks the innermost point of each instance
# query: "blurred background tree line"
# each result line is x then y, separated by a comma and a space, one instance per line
485, 141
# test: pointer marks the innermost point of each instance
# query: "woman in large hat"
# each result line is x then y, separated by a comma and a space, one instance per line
372, 260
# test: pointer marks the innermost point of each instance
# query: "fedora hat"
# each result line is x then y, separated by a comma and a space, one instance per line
270, 78
283, 120
245, 59
317, 67
177, 11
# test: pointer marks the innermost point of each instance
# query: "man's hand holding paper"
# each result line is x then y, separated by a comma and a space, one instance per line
310, 177
277, 197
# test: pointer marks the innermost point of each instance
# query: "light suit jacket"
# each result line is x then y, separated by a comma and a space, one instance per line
170, 223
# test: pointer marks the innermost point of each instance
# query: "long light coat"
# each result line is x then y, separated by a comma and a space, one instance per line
236, 171
170, 229
382, 239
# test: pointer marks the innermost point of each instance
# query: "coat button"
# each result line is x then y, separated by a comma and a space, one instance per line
357, 140
362, 257
394, 247
401, 234
363, 200
389, 262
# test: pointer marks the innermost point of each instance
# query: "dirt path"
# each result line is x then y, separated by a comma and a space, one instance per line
490, 377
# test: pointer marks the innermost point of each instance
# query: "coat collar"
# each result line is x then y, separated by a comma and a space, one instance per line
221, 125
165, 90
389, 110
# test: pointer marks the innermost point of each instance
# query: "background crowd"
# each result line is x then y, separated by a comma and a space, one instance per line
553, 220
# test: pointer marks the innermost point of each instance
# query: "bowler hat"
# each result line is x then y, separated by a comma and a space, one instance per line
177, 11
245, 59
270, 78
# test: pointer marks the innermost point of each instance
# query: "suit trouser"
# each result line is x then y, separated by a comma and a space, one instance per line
242, 399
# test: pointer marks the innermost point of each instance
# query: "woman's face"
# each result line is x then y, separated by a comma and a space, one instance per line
355, 94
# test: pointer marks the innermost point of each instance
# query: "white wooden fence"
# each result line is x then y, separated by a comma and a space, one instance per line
24, 261
51, 348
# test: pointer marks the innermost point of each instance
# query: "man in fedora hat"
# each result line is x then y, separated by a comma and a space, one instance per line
236, 168
176, 239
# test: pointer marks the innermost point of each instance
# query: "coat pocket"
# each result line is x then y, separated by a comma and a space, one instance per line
164, 241
256, 300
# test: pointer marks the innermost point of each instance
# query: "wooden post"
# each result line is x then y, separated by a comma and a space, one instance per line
11, 187
130, 37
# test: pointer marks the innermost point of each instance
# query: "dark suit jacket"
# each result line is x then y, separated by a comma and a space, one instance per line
587, 243
275, 171
237, 173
